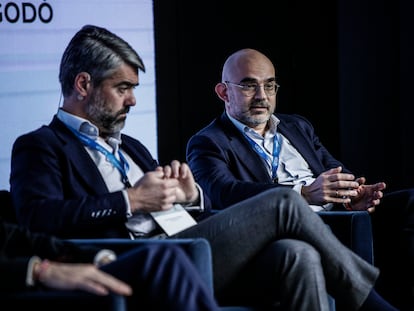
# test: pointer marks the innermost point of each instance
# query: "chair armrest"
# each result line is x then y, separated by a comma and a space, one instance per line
352, 228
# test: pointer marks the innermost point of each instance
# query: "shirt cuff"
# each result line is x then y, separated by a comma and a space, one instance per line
298, 188
199, 204
29, 273
128, 206
103, 257
315, 208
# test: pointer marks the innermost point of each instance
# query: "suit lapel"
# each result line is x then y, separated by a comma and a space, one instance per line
139, 154
301, 142
79, 157
247, 157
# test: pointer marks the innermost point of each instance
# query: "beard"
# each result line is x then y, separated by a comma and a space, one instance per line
255, 120
100, 114
252, 119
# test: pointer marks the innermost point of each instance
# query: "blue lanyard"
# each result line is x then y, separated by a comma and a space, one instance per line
264, 156
122, 165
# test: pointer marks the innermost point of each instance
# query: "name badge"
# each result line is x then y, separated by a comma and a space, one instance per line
174, 220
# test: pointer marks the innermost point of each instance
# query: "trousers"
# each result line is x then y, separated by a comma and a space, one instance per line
162, 278
273, 248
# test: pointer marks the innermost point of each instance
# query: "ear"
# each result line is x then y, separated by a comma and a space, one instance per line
82, 83
221, 91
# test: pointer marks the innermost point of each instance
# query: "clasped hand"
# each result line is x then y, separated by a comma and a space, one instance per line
160, 189
368, 196
333, 186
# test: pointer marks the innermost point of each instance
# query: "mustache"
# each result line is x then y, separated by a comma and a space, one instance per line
123, 111
259, 104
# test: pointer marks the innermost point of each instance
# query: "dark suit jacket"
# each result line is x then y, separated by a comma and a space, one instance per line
17, 246
56, 187
229, 170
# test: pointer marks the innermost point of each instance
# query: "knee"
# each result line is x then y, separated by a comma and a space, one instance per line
286, 199
282, 194
300, 252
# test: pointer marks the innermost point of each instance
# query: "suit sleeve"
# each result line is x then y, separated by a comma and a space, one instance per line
18, 246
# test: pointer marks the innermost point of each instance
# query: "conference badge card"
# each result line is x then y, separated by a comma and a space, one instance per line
174, 220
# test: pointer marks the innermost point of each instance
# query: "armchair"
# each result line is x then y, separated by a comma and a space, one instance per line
354, 229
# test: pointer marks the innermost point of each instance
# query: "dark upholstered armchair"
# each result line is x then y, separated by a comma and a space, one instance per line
354, 229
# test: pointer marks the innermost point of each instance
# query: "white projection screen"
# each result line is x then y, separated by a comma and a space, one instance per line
33, 35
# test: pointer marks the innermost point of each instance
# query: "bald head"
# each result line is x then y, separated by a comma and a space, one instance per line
243, 61
248, 88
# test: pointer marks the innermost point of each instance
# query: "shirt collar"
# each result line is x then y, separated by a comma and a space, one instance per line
82, 125
273, 123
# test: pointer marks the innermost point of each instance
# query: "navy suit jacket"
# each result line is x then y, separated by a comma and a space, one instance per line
229, 170
56, 187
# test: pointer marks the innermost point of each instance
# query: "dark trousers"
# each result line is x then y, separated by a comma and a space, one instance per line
250, 261
162, 278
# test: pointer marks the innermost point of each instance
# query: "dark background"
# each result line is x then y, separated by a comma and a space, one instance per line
344, 64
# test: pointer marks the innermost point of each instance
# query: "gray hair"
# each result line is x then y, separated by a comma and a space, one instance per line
97, 51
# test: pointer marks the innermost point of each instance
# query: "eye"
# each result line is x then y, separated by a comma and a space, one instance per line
269, 86
125, 88
250, 87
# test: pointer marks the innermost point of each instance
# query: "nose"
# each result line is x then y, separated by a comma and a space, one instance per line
131, 99
260, 92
